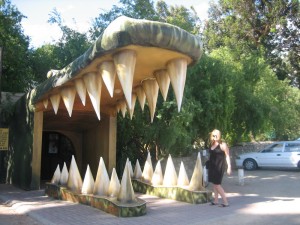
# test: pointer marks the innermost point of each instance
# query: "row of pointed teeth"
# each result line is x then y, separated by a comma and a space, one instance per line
102, 186
124, 192
123, 66
170, 177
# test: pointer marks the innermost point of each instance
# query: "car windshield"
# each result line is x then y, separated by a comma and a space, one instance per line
273, 148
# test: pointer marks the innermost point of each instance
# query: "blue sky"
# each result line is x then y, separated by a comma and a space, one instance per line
37, 13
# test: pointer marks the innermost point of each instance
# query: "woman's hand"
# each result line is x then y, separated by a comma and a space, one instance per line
225, 148
228, 170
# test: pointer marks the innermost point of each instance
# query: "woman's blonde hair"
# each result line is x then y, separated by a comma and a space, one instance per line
219, 136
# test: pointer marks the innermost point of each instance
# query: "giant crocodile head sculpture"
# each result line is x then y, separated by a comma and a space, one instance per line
132, 59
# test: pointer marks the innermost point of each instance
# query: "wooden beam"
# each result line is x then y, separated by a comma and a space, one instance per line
37, 150
112, 143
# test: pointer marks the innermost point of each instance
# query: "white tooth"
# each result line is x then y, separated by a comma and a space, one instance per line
93, 84
114, 184
118, 107
81, 90
157, 178
141, 96
131, 111
163, 80
74, 181
151, 90
137, 170
64, 175
196, 180
183, 179
102, 180
108, 72
125, 66
88, 182
128, 163
130, 169
126, 193
148, 170
45, 102
68, 96
56, 176
123, 107
170, 177
55, 100
177, 72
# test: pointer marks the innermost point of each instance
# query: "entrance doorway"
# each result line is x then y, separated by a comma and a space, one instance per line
56, 149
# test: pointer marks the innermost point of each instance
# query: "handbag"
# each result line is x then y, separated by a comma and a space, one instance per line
207, 164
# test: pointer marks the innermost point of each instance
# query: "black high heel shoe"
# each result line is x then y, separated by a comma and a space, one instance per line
223, 205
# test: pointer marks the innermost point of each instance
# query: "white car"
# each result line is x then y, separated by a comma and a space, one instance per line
284, 154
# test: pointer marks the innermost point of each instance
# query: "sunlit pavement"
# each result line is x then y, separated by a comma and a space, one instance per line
267, 197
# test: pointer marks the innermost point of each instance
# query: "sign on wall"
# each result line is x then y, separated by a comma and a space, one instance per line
3, 139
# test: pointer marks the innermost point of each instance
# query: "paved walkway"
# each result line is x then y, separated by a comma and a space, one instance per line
268, 197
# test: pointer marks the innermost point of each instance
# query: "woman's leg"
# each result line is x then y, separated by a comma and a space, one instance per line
221, 191
216, 194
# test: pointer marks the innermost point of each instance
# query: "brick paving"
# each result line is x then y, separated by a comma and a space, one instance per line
9, 216
268, 197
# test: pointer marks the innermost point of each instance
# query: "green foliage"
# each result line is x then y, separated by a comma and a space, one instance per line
268, 26
170, 133
179, 16
210, 82
72, 43
16, 72
139, 9
283, 102
56, 56
175, 129
241, 96
44, 59
6, 110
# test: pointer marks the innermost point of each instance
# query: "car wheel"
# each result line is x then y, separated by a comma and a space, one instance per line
298, 165
250, 164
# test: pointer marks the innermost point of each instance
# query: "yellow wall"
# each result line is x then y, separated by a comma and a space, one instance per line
100, 141
89, 145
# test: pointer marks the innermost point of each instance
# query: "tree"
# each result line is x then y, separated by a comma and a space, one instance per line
56, 56
72, 43
179, 16
283, 103
44, 59
16, 73
270, 27
242, 97
170, 133
211, 85
284, 48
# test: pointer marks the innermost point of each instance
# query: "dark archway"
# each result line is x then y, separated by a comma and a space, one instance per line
56, 149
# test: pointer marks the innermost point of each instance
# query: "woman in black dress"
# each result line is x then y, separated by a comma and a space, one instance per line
219, 157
